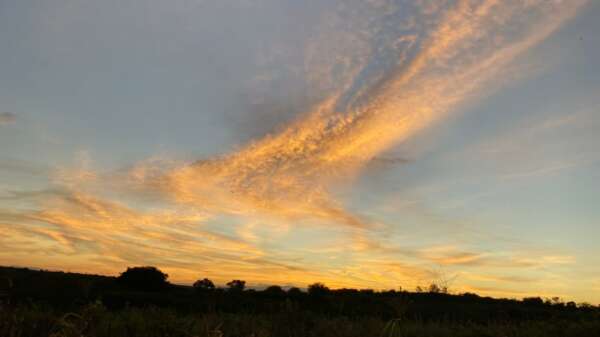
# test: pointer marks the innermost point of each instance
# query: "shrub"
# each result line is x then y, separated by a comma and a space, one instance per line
143, 278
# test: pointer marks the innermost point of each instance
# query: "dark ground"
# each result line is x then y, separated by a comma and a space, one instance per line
44, 303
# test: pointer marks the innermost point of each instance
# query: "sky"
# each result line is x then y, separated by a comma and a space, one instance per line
369, 144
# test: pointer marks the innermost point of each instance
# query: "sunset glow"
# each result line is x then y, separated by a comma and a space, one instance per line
380, 144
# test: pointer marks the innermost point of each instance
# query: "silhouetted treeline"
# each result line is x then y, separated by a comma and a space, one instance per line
148, 286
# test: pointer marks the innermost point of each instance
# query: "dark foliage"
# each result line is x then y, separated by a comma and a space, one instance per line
274, 291
143, 278
236, 285
318, 289
204, 285
294, 292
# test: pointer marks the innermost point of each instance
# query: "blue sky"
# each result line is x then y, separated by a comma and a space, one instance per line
368, 144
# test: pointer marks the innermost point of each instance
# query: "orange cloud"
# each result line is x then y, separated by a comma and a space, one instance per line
291, 174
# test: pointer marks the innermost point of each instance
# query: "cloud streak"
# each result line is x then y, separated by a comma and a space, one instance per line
291, 174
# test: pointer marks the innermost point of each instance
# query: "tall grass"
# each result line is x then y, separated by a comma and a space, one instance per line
94, 320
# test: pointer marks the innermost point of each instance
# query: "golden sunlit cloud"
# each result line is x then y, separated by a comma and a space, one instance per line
290, 174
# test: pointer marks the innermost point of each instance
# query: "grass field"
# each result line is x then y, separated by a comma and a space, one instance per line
94, 320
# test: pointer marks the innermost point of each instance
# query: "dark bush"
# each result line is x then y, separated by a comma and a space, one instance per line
143, 278
237, 285
204, 285
317, 289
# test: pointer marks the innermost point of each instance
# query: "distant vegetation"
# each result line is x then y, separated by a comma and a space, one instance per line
141, 302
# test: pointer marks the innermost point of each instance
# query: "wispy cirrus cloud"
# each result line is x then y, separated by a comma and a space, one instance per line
291, 173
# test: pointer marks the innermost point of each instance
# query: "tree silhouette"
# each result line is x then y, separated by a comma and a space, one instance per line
236, 285
274, 291
143, 278
204, 285
294, 292
533, 301
436, 289
317, 289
